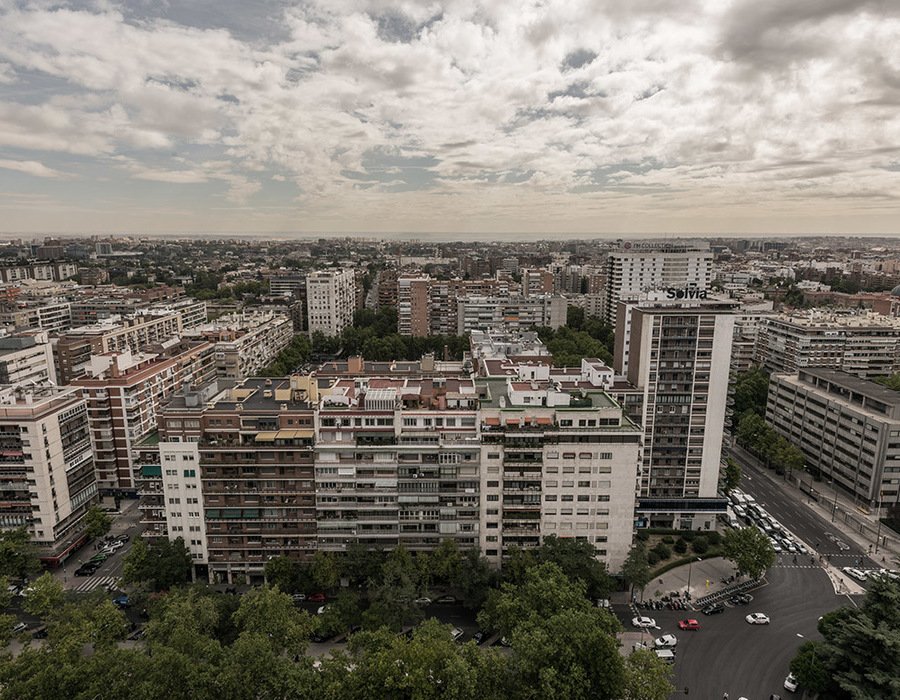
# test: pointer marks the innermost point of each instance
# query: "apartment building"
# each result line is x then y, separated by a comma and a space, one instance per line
47, 467
330, 300
26, 359
680, 359
287, 283
558, 458
246, 342
414, 305
234, 475
632, 271
536, 281
848, 429
75, 348
510, 312
863, 344
51, 315
124, 391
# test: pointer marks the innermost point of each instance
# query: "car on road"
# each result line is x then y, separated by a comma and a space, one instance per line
298, 597
316, 598
422, 601
790, 683
666, 655
479, 636
19, 627
713, 609
689, 624
741, 599
446, 600
457, 634
855, 573
757, 619
643, 622
776, 547
87, 569
121, 602
125, 537
667, 641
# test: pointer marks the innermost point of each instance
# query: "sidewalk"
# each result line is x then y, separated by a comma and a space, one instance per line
837, 508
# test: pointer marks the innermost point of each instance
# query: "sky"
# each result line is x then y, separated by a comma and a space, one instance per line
532, 117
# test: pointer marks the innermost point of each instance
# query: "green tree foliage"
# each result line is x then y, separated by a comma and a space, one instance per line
159, 567
750, 550
751, 389
288, 360
758, 437
578, 561
891, 382
568, 346
325, 572
647, 677
97, 522
636, 568
18, 557
44, 595
858, 657
731, 475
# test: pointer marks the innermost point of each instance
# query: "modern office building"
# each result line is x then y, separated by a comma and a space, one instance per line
680, 359
330, 300
631, 272
848, 429
47, 466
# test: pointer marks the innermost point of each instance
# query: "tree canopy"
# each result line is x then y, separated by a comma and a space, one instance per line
750, 550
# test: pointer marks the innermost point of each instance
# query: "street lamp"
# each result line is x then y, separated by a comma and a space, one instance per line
834, 505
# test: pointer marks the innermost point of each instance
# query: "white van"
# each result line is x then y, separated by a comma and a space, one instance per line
666, 655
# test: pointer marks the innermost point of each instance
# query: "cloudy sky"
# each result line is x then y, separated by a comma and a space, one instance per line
645, 116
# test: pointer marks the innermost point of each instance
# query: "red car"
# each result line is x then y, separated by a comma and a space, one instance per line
689, 625
316, 598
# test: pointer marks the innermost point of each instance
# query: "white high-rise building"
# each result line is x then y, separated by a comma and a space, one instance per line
680, 359
632, 272
330, 296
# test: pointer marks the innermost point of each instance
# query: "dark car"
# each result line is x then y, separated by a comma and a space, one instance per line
121, 602
741, 599
123, 538
714, 609
39, 633
87, 569
316, 598
479, 636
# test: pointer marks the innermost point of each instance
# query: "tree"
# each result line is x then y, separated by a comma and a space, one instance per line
636, 568
18, 557
750, 550
473, 579
809, 668
731, 475
268, 612
647, 677
751, 390
578, 560
324, 570
288, 575
160, 567
97, 522
45, 594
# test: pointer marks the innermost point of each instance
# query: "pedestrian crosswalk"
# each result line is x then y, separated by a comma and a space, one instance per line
98, 582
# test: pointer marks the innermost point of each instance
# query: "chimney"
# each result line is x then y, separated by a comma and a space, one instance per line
114, 370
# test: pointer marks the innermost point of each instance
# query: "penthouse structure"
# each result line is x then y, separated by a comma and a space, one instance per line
46, 467
848, 429
864, 345
124, 392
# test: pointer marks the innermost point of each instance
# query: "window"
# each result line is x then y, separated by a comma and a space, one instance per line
550, 497
493, 497
567, 498
584, 484
492, 511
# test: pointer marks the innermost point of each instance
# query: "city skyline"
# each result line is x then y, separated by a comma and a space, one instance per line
449, 117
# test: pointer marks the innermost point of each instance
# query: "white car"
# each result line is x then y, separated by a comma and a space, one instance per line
790, 683
643, 622
757, 619
321, 610
456, 634
855, 573
422, 601
666, 641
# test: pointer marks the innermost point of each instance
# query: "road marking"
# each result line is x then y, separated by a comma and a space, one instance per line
96, 583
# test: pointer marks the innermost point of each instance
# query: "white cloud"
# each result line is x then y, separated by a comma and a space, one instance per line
669, 102
32, 167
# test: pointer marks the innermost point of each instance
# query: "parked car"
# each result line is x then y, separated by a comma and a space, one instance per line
39, 633
457, 634
643, 622
757, 619
667, 641
689, 624
714, 609
298, 597
19, 627
316, 598
422, 601
666, 655
446, 600
741, 599
790, 683
121, 602
479, 636
125, 537
855, 573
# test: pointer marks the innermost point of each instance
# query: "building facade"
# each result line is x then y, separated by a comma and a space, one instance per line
330, 301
